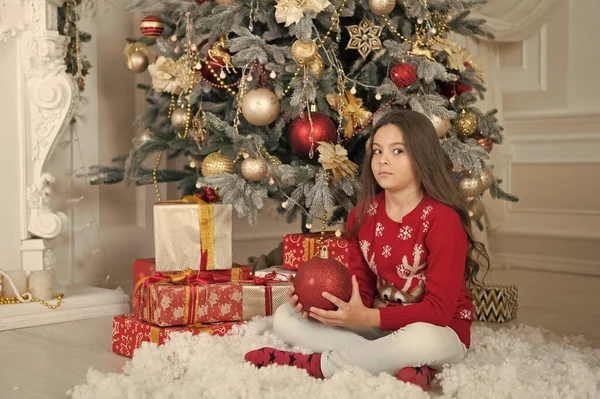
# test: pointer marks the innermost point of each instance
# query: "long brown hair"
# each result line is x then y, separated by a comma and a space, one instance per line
431, 167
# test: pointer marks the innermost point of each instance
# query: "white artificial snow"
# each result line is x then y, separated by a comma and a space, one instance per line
515, 362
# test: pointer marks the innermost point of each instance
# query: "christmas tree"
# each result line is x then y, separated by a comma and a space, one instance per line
275, 99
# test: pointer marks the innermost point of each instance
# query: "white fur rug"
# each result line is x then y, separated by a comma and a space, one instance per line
517, 362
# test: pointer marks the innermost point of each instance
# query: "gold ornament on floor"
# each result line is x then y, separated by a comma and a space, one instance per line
476, 209
465, 124
225, 2
335, 158
441, 125
254, 168
364, 37
199, 131
179, 118
470, 185
260, 107
216, 164
487, 178
304, 51
382, 7
352, 110
15, 301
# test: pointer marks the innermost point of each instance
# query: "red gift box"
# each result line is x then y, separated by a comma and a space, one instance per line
128, 333
166, 300
298, 248
143, 268
147, 267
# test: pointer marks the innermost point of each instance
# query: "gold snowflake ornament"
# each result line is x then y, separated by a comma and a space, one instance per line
364, 37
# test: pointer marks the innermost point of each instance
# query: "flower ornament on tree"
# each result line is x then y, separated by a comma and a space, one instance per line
292, 11
335, 158
457, 55
167, 74
353, 111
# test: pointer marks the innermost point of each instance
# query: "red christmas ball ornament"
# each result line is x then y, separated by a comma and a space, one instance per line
322, 274
216, 64
463, 88
152, 26
485, 142
300, 128
448, 89
403, 75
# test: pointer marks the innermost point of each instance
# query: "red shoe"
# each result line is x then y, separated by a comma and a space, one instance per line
419, 376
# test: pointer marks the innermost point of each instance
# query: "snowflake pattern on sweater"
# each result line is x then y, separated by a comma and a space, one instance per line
418, 262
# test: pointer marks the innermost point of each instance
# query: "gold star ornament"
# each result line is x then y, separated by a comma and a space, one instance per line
364, 37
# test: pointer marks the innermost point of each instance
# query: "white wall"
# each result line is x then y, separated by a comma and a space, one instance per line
550, 88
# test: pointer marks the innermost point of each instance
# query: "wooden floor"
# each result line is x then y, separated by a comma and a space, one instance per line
44, 362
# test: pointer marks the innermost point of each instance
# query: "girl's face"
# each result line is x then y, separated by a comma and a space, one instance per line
391, 165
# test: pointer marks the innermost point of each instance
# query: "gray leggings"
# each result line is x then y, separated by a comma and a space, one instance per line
376, 351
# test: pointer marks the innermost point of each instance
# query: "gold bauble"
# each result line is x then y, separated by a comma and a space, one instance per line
466, 124
304, 51
138, 61
476, 209
216, 164
260, 107
441, 125
470, 185
179, 118
316, 66
382, 7
225, 2
254, 168
487, 178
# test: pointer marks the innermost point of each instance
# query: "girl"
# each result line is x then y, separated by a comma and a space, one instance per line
411, 256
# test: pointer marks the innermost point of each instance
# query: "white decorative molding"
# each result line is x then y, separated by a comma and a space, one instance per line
531, 76
545, 263
49, 96
513, 20
555, 148
521, 231
11, 33
554, 211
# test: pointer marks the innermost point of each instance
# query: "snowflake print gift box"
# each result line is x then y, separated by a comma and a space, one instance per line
298, 248
193, 234
166, 303
495, 303
128, 333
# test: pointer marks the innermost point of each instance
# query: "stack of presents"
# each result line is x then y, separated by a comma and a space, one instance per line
192, 284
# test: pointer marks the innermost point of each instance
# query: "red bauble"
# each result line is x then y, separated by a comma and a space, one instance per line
403, 75
320, 275
152, 26
450, 89
215, 64
485, 142
299, 132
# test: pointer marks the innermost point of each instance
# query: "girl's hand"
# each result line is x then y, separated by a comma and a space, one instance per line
293, 299
349, 314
